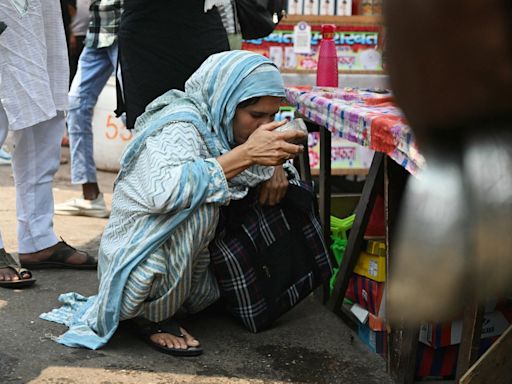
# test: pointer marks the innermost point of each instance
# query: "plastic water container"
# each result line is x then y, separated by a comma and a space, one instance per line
110, 133
327, 70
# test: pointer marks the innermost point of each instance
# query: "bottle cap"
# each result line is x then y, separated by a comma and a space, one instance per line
328, 31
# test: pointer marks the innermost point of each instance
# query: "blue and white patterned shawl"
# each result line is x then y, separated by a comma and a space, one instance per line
209, 102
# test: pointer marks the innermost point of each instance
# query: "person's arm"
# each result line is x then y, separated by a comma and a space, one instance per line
71, 7
169, 172
263, 147
235, 161
273, 190
72, 43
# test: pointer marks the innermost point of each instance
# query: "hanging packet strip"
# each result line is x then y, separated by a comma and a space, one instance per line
302, 38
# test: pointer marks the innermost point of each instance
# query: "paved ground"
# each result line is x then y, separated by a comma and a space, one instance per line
307, 345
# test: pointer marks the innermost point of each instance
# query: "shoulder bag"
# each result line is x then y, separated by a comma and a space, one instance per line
267, 259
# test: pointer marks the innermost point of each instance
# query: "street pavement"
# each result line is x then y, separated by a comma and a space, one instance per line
307, 345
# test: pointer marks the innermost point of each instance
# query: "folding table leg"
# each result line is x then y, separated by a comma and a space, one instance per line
402, 339
372, 185
470, 341
495, 365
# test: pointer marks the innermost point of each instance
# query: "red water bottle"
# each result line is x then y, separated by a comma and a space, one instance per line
327, 70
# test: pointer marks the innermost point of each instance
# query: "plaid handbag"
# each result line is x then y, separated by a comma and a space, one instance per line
267, 259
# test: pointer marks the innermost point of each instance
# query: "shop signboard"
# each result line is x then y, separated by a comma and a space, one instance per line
359, 48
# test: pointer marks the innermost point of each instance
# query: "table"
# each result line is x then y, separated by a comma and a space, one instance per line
368, 117
365, 117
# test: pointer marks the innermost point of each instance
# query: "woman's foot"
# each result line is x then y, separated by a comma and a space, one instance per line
60, 255
171, 341
168, 337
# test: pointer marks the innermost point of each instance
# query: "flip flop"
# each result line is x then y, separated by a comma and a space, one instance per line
172, 327
58, 259
8, 261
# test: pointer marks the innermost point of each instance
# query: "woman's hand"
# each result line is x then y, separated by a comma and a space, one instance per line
273, 190
263, 147
266, 147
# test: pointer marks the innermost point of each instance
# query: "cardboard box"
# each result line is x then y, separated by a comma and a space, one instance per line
371, 266
441, 363
375, 323
443, 335
376, 223
377, 341
371, 329
438, 363
367, 293
376, 247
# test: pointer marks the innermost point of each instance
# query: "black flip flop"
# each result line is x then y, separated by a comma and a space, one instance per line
58, 259
8, 261
172, 327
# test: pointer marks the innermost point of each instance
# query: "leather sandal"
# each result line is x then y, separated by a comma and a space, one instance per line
59, 259
24, 275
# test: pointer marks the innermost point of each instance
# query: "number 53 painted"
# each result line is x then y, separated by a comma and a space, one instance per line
115, 131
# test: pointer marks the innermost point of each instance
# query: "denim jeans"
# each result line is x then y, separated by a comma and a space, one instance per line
95, 66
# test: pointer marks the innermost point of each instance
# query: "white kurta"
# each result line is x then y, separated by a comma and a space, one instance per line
34, 68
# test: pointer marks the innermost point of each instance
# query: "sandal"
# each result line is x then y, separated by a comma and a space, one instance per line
172, 327
58, 259
8, 261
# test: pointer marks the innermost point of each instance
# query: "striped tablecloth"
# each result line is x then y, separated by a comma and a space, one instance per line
361, 116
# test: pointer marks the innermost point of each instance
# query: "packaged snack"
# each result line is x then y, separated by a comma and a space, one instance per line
296, 124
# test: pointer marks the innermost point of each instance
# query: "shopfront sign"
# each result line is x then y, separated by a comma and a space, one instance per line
359, 48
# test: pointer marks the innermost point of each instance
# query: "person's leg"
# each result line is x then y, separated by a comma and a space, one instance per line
175, 279
3, 135
94, 68
6, 274
11, 273
35, 160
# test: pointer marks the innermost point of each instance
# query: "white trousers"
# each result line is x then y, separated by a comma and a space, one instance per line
35, 159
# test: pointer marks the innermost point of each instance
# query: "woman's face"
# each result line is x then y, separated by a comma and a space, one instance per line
248, 118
